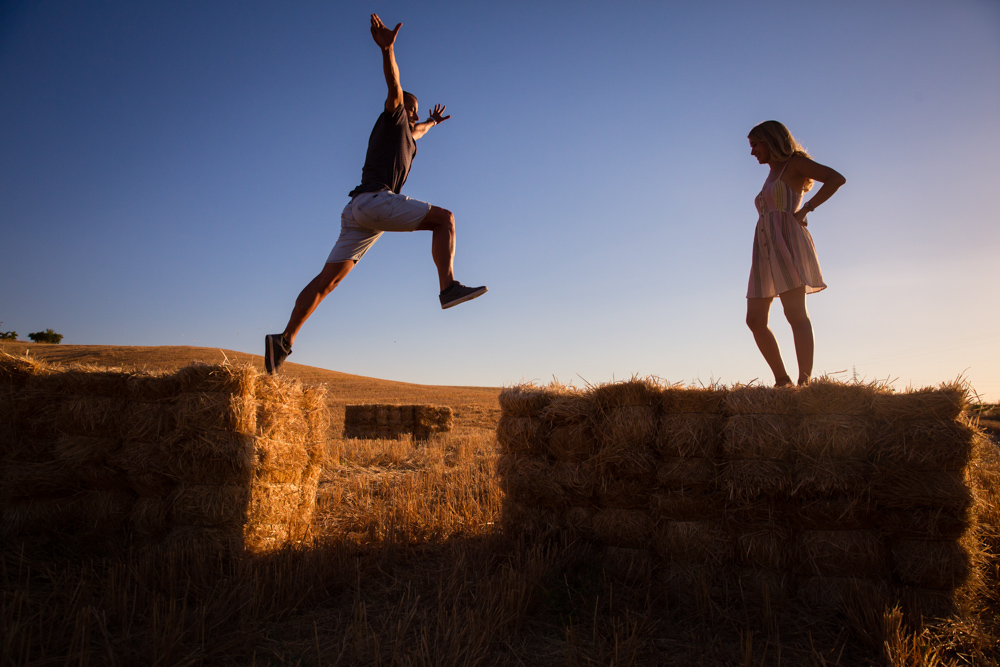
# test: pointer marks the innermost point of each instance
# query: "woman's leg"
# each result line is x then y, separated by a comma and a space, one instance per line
794, 303
757, 310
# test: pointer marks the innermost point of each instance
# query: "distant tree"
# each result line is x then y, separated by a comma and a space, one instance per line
8, 335
47, 336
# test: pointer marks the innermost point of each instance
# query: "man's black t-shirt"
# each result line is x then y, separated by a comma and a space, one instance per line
391, 149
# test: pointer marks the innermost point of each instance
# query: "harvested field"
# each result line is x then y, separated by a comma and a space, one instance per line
408, 565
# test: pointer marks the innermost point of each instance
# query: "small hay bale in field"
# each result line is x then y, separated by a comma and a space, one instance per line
634, 392
766, 546
236, 381
697, 542
282, 422
688, 506
826, 477
931, 564
216, 411
760, 436
146, 469
687, 472
521, 435
630, 529
273, 503
925, 444
690, 434
833, 513
747, 479
85, 512
567, 405
89, 381
902, 488
626, 493
924, 523
525, 400
630, 566
946, 402
317, 413
430, 419
840, 553
755, 400
201, 540
528, 480
834, 437
827, 397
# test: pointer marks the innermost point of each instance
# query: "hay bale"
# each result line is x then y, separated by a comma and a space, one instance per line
630, 529
823, 396
903, 488
834, 437
151, 517
517, 518
946, 402
211, 505
521, 435
681, 505
94, 416
37, 480
571, 441
826, 477
279, 462
525, 400
925, 523
693, 400
632, 493
748, 479
152, 387
148, 421
840, 553
760, 436
833, 513
942, 565
756, 400
206, 411
924, 444
210, 457
690, 434
82, 451
687, 472
696, 542
828, 593
236, 381
765, 547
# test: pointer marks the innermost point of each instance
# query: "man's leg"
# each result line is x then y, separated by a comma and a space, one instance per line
757, 312
277, 347
441, 223
794, 304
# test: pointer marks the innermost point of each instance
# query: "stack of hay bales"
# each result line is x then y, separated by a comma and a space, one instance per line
393, 421
827, 492
211, 455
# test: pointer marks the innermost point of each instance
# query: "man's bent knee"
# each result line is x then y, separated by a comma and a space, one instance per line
438, 218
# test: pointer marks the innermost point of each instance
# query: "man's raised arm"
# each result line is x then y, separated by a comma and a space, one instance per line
385, 38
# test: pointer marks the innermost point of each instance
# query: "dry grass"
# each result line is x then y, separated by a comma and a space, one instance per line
408, 567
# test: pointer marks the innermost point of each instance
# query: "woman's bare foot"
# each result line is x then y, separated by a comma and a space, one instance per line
784, 381
803, 380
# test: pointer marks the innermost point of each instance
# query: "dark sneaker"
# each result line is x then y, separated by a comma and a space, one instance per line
276, 350
458, 293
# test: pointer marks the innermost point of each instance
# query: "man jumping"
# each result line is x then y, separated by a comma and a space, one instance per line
376, 206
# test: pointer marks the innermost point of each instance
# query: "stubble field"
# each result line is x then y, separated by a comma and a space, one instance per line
407, 566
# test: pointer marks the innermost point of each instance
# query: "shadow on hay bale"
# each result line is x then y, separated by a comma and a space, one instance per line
832, 491
211, 455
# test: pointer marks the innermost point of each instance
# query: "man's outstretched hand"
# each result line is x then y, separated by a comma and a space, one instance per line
436, 114
381, 34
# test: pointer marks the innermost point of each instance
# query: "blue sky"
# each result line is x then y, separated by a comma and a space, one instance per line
173, 174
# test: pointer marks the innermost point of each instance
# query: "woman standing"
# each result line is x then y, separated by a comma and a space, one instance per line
784, 257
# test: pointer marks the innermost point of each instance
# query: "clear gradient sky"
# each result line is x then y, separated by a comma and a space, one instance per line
172, 173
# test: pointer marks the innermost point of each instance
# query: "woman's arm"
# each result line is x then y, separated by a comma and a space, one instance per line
803, 169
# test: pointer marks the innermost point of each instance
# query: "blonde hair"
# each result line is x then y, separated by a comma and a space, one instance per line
780, 144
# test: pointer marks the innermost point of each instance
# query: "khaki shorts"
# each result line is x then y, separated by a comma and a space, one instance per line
369, 214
